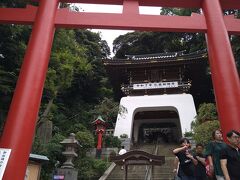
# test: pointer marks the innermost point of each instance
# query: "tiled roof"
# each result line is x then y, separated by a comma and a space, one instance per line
158, 58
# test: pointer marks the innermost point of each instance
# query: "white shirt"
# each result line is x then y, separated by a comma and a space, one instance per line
122, 151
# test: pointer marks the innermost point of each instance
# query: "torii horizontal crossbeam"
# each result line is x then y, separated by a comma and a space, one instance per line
226, 4
69, 19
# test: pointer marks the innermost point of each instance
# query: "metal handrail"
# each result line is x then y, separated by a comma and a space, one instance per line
148, 175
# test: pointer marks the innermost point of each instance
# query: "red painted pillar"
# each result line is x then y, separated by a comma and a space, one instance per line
223, 68
20, 124
99, 145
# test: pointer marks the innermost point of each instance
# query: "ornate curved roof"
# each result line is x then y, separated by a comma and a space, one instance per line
161, 67
158, 58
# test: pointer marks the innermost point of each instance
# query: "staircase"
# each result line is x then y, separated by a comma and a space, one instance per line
135, 172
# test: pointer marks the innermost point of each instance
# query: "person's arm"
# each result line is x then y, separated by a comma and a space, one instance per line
209, 152
177, 150
175, 165
195, 162
224, 168
202, 160
210, 160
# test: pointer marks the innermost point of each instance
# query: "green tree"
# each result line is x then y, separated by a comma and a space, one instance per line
90, 168
67, 59
203, 132
112, 141
76, 82
13, 44
108, 109
7, 81
14, 3
157, 42
96, 47
206, 112
236, 49
86, 140
205, 123
53, 150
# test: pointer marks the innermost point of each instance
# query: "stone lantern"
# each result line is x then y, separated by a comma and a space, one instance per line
67, 171
100, 126
71, 145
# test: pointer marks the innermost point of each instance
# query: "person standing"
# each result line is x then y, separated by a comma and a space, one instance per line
186, 160
200, 169
230, 157
176, 170
213, 152
121, 152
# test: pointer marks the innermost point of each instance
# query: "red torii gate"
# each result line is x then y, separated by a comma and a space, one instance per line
20, 125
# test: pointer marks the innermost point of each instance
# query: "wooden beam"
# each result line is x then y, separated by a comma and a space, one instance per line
160, 3
130, 7
68, 19
232, 24
230, 4
195, 23
18, 15
226, 4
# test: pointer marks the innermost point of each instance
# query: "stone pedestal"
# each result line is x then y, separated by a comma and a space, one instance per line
69, 174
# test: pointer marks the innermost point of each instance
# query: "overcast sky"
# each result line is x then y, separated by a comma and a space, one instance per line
110, 35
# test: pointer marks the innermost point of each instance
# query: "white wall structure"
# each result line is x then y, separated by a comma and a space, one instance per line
183, 104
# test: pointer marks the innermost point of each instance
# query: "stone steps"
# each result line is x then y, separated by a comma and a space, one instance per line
163, 172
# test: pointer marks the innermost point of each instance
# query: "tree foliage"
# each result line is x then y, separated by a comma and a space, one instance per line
205, 123
159, 42
108, 109
112, 141
14, 3
90, 168
85, 139
203, 132
76, 82
53, 150
13, 42
206, 112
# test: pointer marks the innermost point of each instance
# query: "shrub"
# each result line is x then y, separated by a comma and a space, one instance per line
112, 141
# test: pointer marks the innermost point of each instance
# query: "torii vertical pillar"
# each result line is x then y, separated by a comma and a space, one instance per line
19, 129
223, 69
